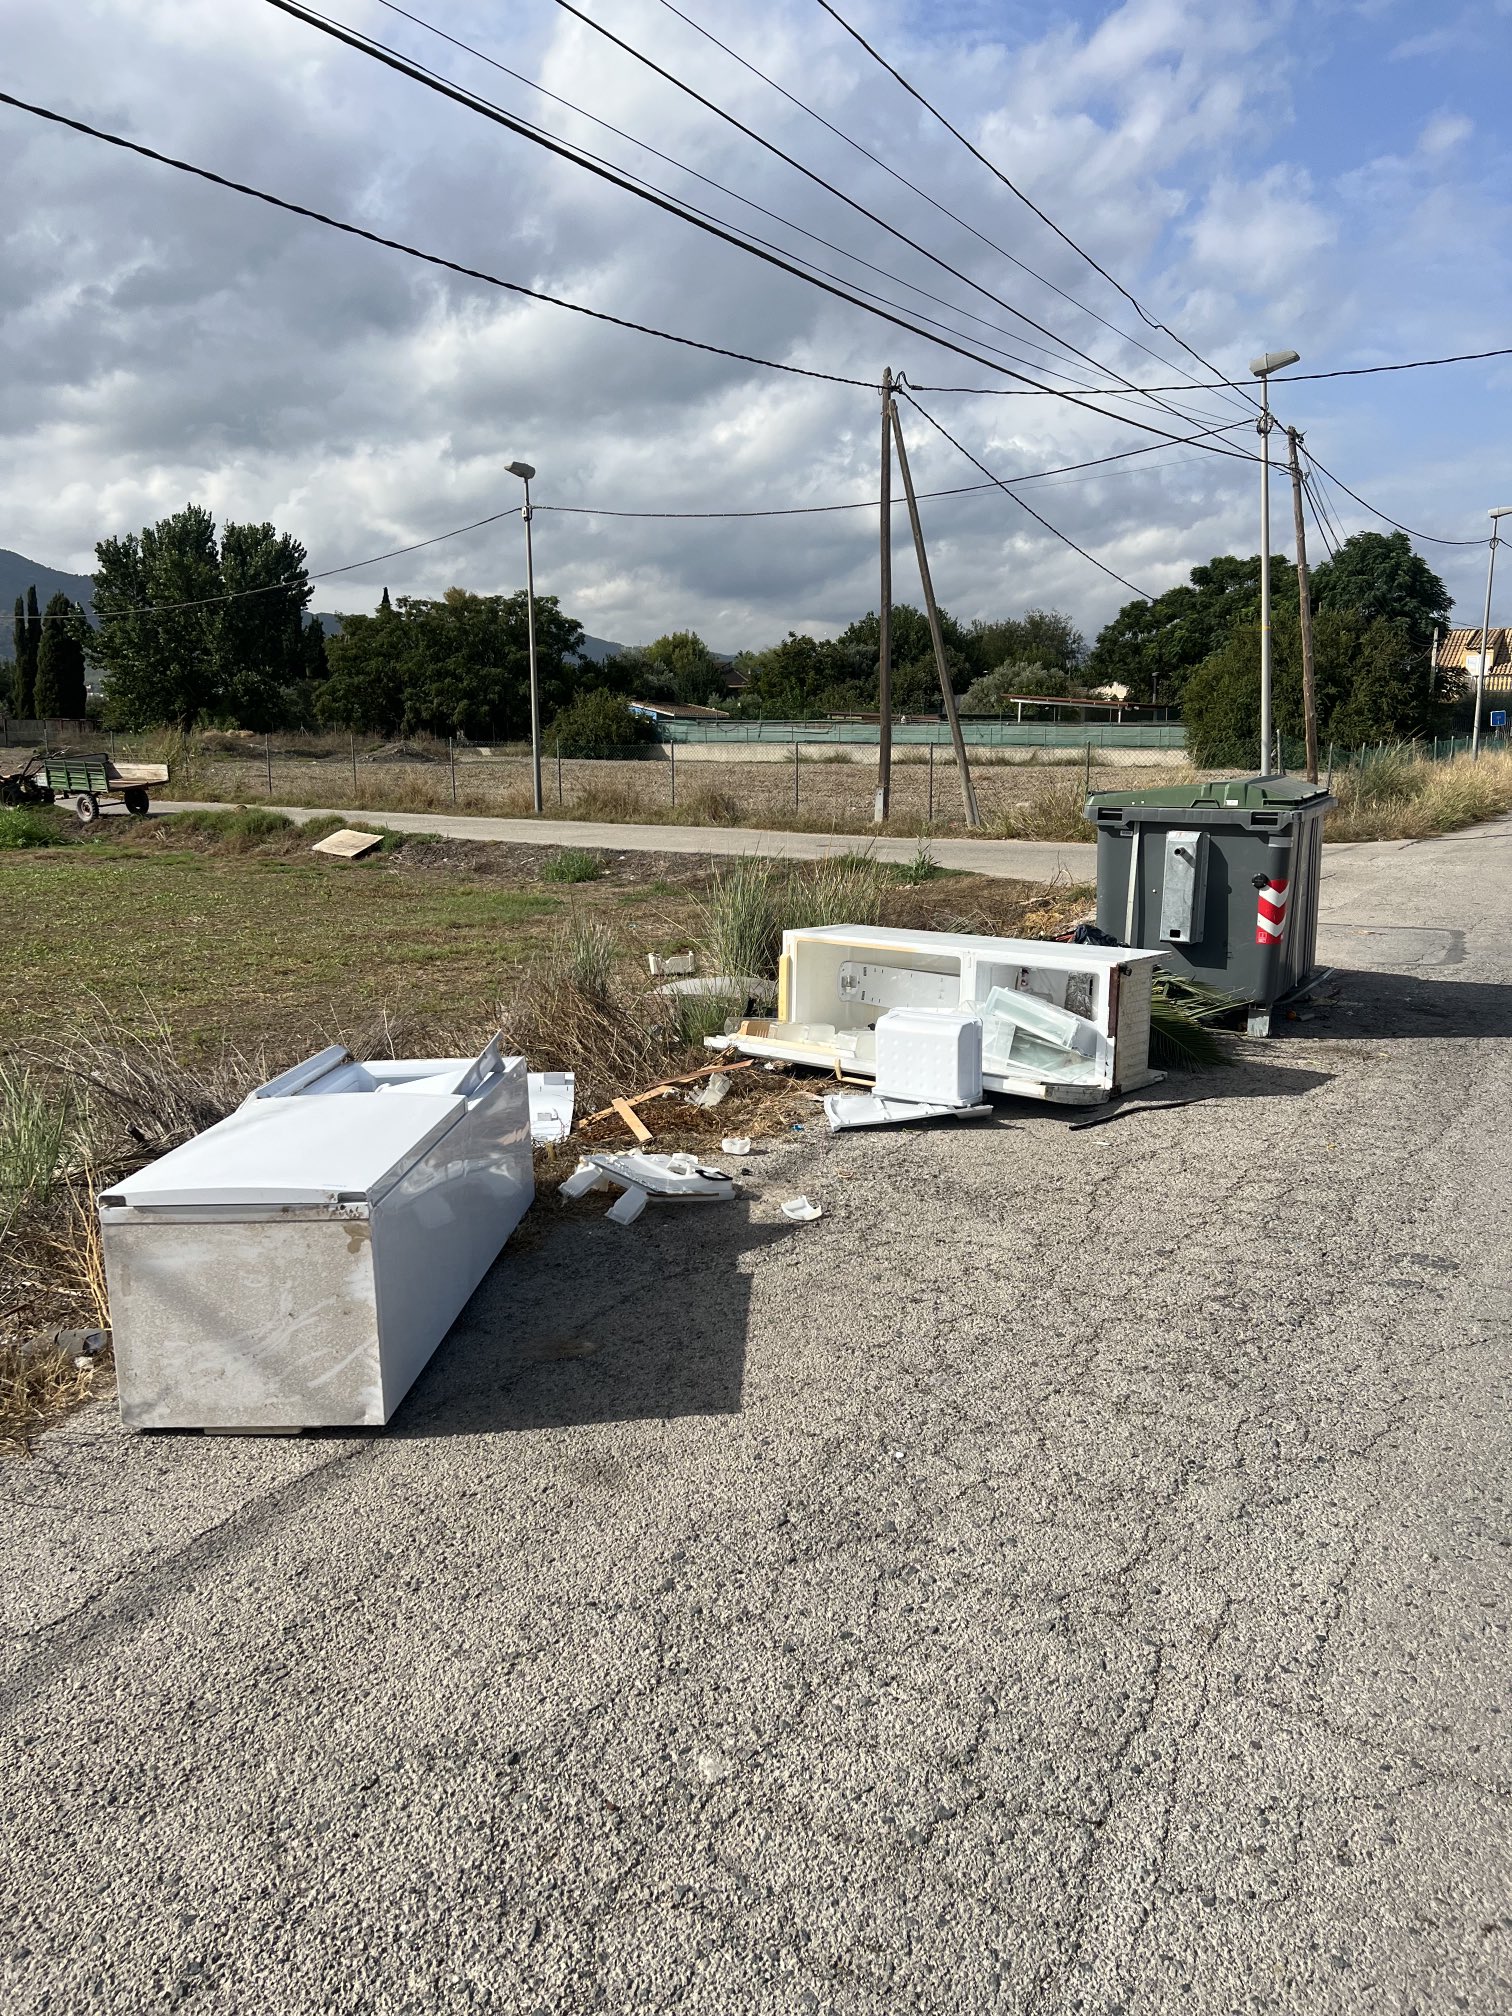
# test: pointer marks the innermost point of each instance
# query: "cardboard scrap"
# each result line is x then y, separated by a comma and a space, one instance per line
348, 844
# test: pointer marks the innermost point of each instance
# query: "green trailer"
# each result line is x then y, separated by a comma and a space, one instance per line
85, 780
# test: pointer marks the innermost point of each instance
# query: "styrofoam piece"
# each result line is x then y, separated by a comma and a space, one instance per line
666, 965
801, 1211
626, 1209
296, 1265
929, 1056
347, 844
552, 1096
736, 1144
867, 1109
711, 1091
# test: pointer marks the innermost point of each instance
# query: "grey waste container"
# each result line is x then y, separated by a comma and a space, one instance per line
1222, 878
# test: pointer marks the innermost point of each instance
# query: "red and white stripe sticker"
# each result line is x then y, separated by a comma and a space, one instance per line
1270, 914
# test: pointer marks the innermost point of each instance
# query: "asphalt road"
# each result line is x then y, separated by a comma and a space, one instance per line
1071, 1576
1033, 860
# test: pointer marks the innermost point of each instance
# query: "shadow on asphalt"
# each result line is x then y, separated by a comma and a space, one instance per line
599, 1323
1383, 1006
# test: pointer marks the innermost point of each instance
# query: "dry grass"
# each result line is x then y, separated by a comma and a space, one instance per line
1396, 795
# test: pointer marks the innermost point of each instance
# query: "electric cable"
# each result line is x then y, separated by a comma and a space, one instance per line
1065, 538
1238, 384
944, 209
735, 195
1431, 538
471, 101
430, 258
1150, 321
814, 176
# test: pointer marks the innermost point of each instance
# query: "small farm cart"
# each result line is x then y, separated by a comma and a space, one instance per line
86, 780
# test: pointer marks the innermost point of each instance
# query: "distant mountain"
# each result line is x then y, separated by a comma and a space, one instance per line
17, 574
598, 649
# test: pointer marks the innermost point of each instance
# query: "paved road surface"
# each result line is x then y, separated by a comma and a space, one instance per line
1034, 860
1071, 1576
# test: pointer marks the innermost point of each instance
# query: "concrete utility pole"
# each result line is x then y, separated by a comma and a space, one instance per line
1504, 511
968, 794
1304, 610
1273, 360
883, 804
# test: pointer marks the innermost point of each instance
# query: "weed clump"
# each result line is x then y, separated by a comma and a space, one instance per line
24, 826
572, 864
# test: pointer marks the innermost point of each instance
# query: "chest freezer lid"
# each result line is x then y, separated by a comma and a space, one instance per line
296, 1151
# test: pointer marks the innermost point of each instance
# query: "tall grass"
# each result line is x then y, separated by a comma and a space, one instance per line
1397, 795
586, 951
25, 826
38, 1124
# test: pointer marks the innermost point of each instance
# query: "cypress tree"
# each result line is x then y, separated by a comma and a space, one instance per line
26, 656
59, 691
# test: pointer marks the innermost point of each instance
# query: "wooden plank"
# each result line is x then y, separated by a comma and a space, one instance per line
667, 1085
632, 1120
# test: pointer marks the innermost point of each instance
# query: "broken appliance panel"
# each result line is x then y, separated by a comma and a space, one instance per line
1069, 1023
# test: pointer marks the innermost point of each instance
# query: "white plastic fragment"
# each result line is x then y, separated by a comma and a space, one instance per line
864, 1109
587, 1176
710, 1092
736, 1144
679, 1178
625, 1210
552, 1096
801, 1211
665, 965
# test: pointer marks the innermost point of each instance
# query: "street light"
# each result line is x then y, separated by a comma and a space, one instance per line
524, 471
1262, 367
1503, 511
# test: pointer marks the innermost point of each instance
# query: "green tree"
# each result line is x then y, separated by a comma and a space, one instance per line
60, 691
366, 674
597, 721
1378, 574
259, 632
28, 636
992, 692
1039, 637
1154, 647
916, 682
691, 672
1370, 679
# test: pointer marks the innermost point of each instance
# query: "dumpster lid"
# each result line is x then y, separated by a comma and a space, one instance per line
295, 1151
1244, 794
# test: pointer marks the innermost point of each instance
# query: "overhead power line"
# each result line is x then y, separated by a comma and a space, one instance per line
1150, 321
1241, 384
822, 182
1008, 491
944, 209
737, 196
430, 258
1431, 538
471, 101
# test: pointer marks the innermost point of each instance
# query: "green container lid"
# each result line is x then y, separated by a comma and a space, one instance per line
1243, 794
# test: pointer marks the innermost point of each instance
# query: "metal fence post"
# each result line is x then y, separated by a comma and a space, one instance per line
930, 814
268, 762
672, 752
559, 772
1087, 773
451, 758
795, 773
353, 740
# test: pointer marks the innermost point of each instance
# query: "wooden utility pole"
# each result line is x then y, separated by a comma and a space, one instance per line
883, 804
968, 795
1304, 610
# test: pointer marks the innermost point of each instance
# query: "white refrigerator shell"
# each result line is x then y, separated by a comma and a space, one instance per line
297, 1265
835, 983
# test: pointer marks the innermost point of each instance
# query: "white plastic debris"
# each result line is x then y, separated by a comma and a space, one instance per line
865, 1109
801, 1211
667, 965
665, 1179
552, 1097
736, 1144
710, 1092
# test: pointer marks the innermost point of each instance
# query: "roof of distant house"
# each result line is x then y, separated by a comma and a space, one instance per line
674, 710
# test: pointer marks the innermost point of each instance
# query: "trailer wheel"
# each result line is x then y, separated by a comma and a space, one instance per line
86, 808
135, 800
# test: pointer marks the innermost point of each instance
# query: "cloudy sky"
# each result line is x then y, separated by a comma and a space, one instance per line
1328, 177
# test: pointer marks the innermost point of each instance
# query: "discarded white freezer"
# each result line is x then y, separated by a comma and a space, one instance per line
296, 1265
1069, 1023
